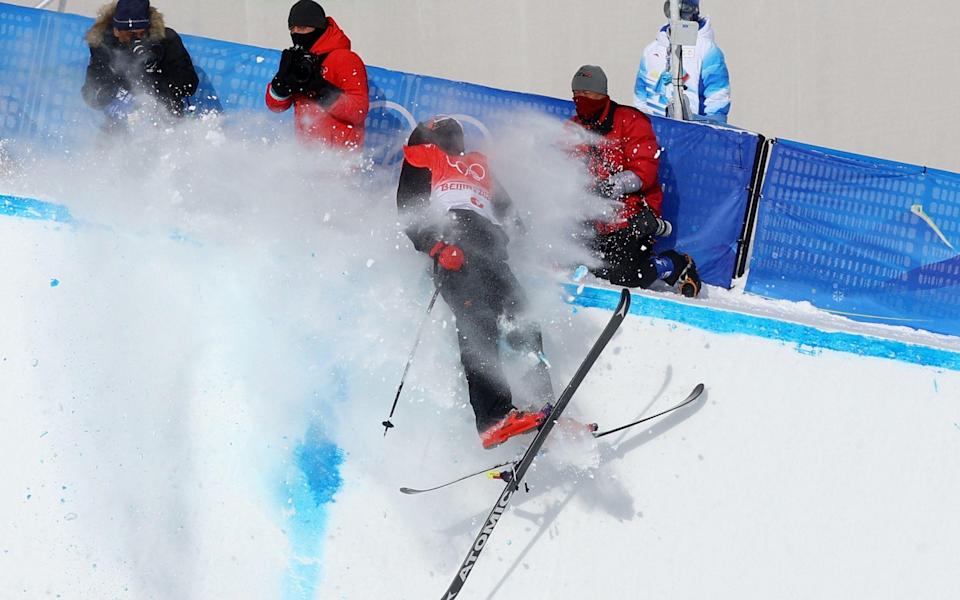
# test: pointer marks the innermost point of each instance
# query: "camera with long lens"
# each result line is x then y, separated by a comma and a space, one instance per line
304, 67
145, 51
139, 47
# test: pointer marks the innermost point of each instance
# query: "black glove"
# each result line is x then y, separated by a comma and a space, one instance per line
149, 53
646, 224
324, 92
282, 84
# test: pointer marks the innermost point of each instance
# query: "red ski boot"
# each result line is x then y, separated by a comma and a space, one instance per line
515, 423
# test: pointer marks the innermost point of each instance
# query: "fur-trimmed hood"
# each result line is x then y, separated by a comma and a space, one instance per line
104, 25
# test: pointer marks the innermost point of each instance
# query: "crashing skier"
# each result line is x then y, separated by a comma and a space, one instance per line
455, 212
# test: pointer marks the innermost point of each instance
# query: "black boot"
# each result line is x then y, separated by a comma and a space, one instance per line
684, 278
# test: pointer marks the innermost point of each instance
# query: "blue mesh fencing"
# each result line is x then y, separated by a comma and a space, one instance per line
871, 239
706, 170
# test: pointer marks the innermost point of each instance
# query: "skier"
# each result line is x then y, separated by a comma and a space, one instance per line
322, 79
455, 212
620, 149
132, 54
706, 88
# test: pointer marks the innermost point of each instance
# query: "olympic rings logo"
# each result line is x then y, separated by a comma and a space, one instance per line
474, 171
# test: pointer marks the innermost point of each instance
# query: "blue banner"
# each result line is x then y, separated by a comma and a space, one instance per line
870, 239
706, 170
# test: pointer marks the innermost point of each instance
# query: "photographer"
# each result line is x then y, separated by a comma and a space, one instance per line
619, 148
324, 81
132, 54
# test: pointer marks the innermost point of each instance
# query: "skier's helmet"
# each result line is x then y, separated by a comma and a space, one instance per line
447, 134
689, 9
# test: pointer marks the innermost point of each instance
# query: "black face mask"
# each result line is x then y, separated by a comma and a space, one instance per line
306, 40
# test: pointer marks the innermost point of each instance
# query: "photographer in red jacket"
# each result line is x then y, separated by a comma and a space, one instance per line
322, 79
621, 152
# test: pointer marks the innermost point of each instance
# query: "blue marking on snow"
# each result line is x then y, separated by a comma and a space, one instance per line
313, 476
809, 340
312, 480
30, 208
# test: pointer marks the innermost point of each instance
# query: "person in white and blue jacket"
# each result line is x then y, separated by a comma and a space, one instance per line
704, 72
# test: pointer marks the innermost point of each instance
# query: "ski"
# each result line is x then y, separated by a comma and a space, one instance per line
534, 448
505, 475
694, 394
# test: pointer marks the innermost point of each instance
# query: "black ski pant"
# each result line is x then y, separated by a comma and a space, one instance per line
488, 303
627, 258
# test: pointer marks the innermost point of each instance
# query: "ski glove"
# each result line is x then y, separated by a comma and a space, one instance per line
646, 224
619, 185
122, 105
448, 256
281, 84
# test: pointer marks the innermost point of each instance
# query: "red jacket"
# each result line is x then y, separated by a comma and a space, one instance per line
627, 143
342, 123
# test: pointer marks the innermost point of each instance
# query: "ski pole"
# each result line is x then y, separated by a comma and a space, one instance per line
387, 424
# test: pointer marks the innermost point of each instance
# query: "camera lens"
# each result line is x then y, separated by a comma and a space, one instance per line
303, 69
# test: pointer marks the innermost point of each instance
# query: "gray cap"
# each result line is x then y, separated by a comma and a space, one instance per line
590, 78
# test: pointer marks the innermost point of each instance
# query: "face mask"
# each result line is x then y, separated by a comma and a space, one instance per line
306, 40
589, 109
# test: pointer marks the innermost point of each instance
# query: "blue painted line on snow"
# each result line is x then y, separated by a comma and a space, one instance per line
312, 478
311, 482
809, 340
30, 208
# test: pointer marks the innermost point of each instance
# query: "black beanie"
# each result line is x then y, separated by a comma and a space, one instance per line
132, 14
307, 13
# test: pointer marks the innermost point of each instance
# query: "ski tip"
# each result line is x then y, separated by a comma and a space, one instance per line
699, 389
624, 305
408, 491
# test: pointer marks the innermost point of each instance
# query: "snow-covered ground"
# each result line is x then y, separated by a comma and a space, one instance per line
197, 365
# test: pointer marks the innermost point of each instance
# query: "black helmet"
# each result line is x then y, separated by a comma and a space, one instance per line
447, 134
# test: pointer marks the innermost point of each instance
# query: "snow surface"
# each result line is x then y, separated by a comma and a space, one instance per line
174, 359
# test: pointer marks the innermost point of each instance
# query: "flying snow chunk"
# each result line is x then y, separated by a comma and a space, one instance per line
579, 273
370, 262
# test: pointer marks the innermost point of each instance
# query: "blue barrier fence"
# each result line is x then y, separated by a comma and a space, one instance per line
871, 239
706, 171
864, 237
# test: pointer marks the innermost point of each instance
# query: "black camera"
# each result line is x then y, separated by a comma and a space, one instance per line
139, 47
304, 67
147, 52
